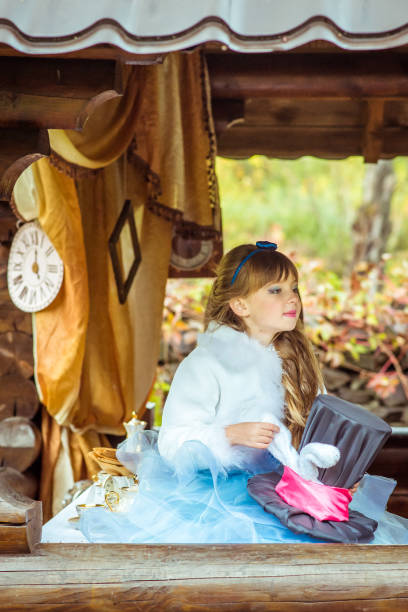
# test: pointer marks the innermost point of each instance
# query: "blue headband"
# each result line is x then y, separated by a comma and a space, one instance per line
260, 245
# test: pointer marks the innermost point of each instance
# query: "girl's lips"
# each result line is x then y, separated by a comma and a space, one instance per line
291, 313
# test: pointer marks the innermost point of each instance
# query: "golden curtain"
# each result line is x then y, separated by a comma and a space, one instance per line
96, 358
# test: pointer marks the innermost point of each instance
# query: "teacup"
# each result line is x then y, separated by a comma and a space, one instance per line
83, 507
112, 500
127, 494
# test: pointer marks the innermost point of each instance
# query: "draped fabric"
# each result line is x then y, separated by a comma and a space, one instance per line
95, 359
165, 115
64, 323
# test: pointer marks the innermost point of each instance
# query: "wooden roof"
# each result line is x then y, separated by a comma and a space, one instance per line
158, 26
300, 96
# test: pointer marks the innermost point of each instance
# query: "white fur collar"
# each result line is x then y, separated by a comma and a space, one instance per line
236, 350
224, 340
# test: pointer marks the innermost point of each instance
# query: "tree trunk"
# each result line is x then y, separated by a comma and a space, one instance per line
372, 226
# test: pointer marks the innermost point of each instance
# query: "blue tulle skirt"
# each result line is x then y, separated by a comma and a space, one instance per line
195, 500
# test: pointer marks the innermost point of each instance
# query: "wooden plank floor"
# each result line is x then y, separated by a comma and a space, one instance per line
258, 577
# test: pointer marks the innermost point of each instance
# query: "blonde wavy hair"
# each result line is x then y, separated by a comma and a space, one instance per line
301, 377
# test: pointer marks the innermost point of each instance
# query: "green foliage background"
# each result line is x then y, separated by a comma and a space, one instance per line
306, 205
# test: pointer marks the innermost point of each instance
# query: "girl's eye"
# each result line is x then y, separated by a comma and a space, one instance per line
274, 290
296, 289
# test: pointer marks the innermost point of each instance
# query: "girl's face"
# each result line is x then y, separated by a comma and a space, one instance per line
273, 308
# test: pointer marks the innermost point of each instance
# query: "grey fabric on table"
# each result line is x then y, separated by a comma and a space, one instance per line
358, 529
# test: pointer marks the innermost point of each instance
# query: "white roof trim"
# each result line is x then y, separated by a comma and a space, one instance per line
160, 26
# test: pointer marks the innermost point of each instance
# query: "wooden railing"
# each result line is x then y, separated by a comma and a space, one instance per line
308, 577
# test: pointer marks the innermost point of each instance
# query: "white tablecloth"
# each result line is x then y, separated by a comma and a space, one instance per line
60, 529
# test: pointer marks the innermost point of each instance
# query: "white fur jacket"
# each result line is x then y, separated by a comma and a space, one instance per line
231, 378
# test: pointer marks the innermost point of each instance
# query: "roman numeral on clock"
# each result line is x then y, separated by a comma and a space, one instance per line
48, 284
33, 297
23, 293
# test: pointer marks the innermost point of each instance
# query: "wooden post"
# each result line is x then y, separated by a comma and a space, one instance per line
373, 134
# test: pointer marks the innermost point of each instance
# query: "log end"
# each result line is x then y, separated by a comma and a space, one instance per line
20, 521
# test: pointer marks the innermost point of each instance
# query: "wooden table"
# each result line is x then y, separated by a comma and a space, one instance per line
314, 577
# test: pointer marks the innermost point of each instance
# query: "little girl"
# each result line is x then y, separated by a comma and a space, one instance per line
252, 369
237, 407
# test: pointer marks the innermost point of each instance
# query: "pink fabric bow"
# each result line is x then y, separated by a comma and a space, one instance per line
321, 501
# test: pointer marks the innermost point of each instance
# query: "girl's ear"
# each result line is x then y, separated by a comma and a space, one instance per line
238, 306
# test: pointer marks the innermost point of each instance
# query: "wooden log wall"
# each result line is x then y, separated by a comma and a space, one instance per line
35, 94
261, 577
20, 438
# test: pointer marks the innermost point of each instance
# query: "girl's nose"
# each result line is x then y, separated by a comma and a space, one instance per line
293, 297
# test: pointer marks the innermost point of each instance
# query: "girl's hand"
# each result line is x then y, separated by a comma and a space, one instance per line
354, 488
255, 435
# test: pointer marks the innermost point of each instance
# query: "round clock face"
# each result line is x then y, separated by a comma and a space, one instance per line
35, 270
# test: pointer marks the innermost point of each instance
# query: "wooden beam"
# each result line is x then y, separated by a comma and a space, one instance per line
16, 110
57, 77
265, 577
298, 112
43, 112
19, 148
324, 76
373, 132
54, 93
227, 112
290, 143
